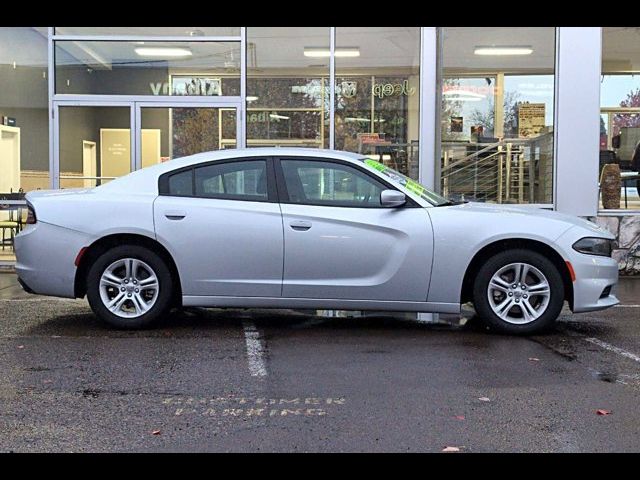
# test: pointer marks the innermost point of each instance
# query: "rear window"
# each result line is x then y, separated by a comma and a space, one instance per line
181, 184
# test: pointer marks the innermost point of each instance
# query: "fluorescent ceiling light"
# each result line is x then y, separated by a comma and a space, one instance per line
503, 50
464, 93
251, 99
278, 117
319, 52
363, 119
463, 99
163, 52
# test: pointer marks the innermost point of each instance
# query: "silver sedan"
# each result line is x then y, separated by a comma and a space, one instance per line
312, 229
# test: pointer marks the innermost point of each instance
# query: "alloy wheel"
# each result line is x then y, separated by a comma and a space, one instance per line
519, 293
129, 288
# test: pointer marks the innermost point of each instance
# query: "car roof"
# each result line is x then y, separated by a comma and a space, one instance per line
145, 181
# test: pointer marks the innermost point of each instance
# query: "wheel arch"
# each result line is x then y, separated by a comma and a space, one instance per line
510, 244
103, 244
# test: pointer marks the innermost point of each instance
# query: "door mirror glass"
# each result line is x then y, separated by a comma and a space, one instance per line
392, 198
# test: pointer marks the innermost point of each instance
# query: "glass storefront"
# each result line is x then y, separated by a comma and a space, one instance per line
287, 86
24, 125
109, 100
377, 100
24, 138
497, 114
147, 68
94, 146
620, 118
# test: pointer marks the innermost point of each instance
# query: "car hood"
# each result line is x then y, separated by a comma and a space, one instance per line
527, 212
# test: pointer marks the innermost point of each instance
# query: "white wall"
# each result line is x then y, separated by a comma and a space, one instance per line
577, 120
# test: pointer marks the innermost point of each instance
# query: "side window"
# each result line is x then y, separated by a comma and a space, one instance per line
181, 184
246, 180
330, 184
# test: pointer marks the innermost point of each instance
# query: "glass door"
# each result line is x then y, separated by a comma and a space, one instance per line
168, 131
96, 142
93, 143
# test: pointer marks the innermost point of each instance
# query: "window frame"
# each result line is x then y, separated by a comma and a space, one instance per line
283, 194
272, 195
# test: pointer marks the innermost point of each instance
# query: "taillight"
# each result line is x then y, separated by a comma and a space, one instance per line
31, 215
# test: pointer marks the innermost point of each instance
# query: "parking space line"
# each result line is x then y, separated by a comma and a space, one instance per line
627, 306
255, 350
614, 349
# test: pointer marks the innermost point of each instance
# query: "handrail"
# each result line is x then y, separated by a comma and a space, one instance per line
484, 159
474, 154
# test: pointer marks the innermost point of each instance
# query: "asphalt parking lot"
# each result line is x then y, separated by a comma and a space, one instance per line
258, 380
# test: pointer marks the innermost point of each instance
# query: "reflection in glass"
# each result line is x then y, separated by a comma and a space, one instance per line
147, 68
378, 94
497, 114
620, 110
287, 92
24, 141
169, 133
95, 145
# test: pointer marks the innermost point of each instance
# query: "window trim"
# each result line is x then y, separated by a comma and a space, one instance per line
283, 194
272, 196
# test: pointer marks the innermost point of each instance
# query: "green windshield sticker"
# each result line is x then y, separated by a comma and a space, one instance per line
415, 187
377, 165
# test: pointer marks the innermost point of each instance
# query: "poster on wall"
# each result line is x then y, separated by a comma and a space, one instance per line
530, 119
115, 151
456, 124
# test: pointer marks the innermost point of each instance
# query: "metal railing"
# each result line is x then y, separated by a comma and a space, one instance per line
508, 171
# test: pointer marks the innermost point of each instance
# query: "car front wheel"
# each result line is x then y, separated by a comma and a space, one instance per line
129, 287
518, 292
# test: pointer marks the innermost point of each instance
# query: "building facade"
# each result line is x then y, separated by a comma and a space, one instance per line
545, 117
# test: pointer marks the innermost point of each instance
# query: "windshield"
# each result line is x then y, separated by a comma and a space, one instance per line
409, 184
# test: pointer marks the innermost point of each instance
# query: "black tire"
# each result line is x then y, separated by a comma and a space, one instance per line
491, 266
164, 296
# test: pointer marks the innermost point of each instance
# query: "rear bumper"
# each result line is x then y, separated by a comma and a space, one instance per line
45, 256
24, 286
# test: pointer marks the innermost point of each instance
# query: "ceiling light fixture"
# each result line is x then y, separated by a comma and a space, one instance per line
163, 52
465, 93
278, 117
320, 52
458, 95
251, 99
357, 119
503, 50
462, 99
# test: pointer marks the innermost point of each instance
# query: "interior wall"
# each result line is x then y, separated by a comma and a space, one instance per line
158, 118
23, 96
76, 124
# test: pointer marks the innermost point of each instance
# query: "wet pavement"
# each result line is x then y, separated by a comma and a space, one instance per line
258, 380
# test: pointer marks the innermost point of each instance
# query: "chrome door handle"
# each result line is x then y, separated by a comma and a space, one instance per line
300, 225
175, 215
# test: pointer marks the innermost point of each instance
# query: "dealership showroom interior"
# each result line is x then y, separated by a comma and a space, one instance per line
463, 110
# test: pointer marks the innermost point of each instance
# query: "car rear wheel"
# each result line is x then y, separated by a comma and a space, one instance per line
518, 292
129, 287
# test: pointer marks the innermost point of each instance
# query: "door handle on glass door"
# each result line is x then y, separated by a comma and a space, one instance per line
175, 215
300, 225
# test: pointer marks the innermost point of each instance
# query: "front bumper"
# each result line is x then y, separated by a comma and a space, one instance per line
45, 256
593, 278
596, 279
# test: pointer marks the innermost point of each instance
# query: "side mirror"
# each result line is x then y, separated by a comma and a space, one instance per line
392, 198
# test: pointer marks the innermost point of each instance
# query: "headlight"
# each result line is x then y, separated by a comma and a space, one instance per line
594, 246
